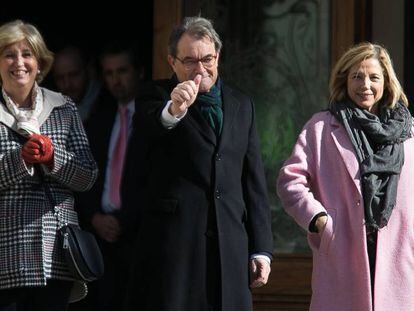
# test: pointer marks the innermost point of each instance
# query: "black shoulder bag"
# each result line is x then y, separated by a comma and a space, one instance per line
81, 251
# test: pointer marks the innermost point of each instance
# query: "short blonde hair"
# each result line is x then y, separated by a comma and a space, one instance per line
17, 31
393, 92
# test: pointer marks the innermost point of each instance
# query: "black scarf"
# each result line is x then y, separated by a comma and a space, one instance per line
378, 143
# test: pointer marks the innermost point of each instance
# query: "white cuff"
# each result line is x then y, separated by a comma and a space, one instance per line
167, 119
255, 256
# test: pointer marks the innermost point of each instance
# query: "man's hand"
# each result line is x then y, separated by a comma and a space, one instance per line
107, 227
38, 149
183, 96
259, 272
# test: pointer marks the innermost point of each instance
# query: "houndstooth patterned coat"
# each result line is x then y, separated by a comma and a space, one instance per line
30, 252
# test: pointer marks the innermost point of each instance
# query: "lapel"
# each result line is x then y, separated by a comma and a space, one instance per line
5, 117
50, 101
100, 136
230, 109
197, 120
346, 150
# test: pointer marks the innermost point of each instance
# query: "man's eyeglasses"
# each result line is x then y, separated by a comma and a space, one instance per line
190, 63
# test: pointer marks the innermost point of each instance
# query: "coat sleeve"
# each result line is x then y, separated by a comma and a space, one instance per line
12, 168
74, 165
294, 185
255, 196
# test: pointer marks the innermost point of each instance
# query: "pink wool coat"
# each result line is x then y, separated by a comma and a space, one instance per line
322, 175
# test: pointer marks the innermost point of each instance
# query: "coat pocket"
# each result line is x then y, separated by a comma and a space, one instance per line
165, 206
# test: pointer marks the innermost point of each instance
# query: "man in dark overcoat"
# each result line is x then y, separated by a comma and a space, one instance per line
205, 236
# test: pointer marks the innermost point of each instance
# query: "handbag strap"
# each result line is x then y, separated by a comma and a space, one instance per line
49, 196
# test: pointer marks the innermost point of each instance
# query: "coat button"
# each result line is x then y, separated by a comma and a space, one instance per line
218, 157
358, 202
218, 194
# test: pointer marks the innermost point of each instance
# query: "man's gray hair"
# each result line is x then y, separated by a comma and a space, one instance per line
197, 27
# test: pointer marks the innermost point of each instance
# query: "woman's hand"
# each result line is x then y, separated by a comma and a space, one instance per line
38, 149
321, 223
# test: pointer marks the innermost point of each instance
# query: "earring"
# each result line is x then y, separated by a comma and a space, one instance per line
38, 71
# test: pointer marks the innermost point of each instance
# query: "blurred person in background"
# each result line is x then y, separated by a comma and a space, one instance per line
103, 209
72, 76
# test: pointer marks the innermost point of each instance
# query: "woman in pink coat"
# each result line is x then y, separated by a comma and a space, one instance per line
350, 183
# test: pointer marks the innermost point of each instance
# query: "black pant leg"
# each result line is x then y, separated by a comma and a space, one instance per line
52, 297
112, 287
372, 257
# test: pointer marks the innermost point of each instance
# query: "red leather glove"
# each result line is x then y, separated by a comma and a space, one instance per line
38, 149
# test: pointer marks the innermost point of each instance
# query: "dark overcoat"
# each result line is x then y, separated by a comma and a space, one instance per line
204, 206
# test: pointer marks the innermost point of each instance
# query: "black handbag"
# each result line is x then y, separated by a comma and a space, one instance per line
82, 253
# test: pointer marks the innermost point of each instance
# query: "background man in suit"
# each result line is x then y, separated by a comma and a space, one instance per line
201, 187
102, 208
73, 76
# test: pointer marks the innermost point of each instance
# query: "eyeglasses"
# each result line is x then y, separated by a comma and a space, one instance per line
190, 63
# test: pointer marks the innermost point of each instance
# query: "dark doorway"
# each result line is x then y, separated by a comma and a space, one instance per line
66, 23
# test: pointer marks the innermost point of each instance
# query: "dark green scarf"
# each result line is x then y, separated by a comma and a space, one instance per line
211, 107
378, 143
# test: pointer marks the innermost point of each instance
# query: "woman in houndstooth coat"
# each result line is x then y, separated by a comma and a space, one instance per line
44, 157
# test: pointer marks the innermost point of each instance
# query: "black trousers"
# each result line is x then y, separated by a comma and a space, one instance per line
52, 297
109, 292
372, 257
